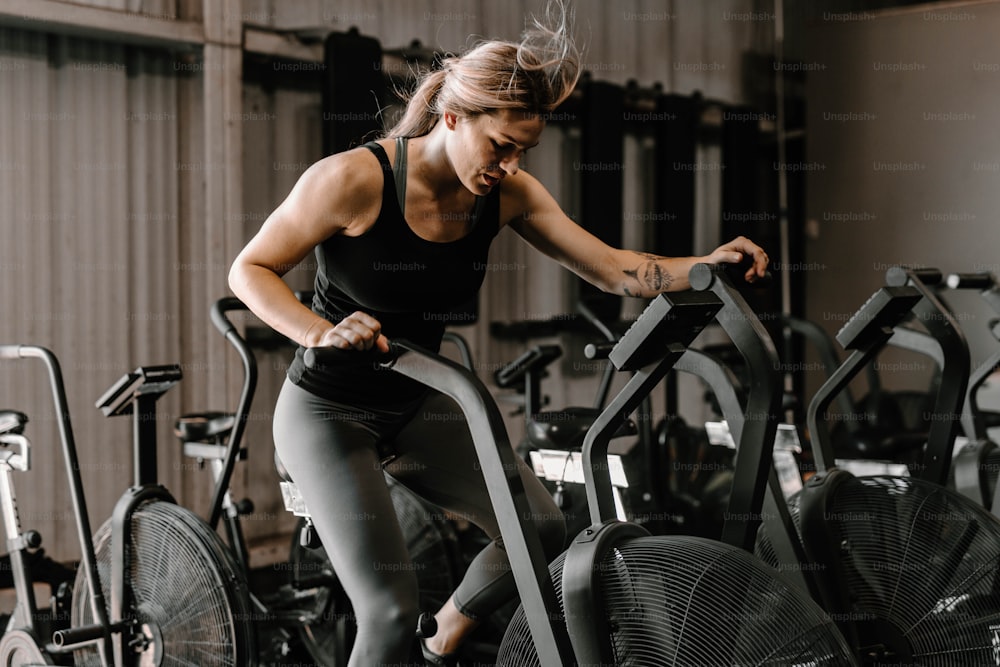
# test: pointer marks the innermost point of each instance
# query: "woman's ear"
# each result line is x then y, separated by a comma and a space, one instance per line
450, 119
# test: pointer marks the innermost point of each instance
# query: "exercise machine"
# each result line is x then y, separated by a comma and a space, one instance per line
618, 595
908, 568
155, 583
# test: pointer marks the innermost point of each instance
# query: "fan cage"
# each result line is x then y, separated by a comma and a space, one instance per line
677, 600
186, 587
920, 566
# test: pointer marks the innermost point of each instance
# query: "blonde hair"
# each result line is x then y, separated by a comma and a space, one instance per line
534, 75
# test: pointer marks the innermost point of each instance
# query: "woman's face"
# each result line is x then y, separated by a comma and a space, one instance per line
487, 147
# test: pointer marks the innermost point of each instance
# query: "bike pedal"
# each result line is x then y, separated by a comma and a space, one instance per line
308, 537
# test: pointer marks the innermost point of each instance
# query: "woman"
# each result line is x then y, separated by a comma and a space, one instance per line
451, 167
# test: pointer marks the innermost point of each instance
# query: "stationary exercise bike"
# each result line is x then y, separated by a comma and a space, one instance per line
625, 597
908, 568
311, 607
155, 587
977, 463
553, 438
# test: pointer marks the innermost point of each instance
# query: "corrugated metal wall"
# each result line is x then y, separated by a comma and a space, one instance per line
107, 257
166, 9
91, 253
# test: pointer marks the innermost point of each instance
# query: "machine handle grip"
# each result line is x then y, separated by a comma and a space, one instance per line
219, 310
316, 357
598, 350
980, 280
897, 276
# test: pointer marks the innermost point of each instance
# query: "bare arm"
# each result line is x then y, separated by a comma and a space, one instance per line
331, 197
542, 223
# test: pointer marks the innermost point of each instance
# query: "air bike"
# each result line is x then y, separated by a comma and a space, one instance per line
909, 569
619, 596
156, 585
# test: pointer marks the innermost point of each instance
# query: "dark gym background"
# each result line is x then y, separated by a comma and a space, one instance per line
143, 141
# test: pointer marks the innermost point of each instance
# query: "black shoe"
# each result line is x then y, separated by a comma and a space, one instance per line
432, 658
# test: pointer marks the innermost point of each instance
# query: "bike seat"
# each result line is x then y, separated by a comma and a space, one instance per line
204, 426
281, 470
12, 421
565, 429
902, 446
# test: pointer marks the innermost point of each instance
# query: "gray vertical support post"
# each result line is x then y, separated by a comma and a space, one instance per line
221, 230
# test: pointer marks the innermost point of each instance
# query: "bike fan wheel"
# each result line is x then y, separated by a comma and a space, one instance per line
919, 566
677, 600
189, 598
19, 649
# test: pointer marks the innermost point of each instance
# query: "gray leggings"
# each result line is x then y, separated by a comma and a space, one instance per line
334, 454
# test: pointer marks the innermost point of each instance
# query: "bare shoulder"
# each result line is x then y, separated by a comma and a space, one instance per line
340, 191
523, 198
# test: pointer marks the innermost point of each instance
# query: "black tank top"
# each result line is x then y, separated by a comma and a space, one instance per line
407, 283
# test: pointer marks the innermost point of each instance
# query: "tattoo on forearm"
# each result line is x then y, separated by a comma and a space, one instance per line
650, 274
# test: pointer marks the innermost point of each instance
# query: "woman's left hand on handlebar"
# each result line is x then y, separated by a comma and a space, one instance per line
734, 252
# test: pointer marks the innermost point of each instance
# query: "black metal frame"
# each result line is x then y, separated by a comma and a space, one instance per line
875, 325
103, 632
948, 406
775, 514
883, 311
973, 420
232, 336
754, 462
506, 490
558, 644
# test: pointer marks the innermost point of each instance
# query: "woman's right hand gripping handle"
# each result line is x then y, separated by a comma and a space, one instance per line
357, 331
318, 357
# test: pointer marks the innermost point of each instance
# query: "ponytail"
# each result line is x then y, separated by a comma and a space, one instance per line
421, 115
534, 75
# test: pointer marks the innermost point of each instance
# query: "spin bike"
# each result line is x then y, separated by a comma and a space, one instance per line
155, 583
618, 595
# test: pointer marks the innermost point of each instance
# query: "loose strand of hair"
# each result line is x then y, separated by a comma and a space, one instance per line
420, 114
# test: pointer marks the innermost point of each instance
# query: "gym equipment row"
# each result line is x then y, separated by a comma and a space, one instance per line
611, 598
851, 570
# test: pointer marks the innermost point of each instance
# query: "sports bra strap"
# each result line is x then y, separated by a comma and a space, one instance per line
399, 172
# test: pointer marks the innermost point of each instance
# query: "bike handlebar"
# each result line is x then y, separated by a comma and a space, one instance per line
896, 276
316, 357
980, 280
77, 498
598, 350
219, 310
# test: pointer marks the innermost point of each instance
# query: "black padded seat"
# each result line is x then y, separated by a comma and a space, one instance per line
566, 429
204, 426
12, 421
902, 447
